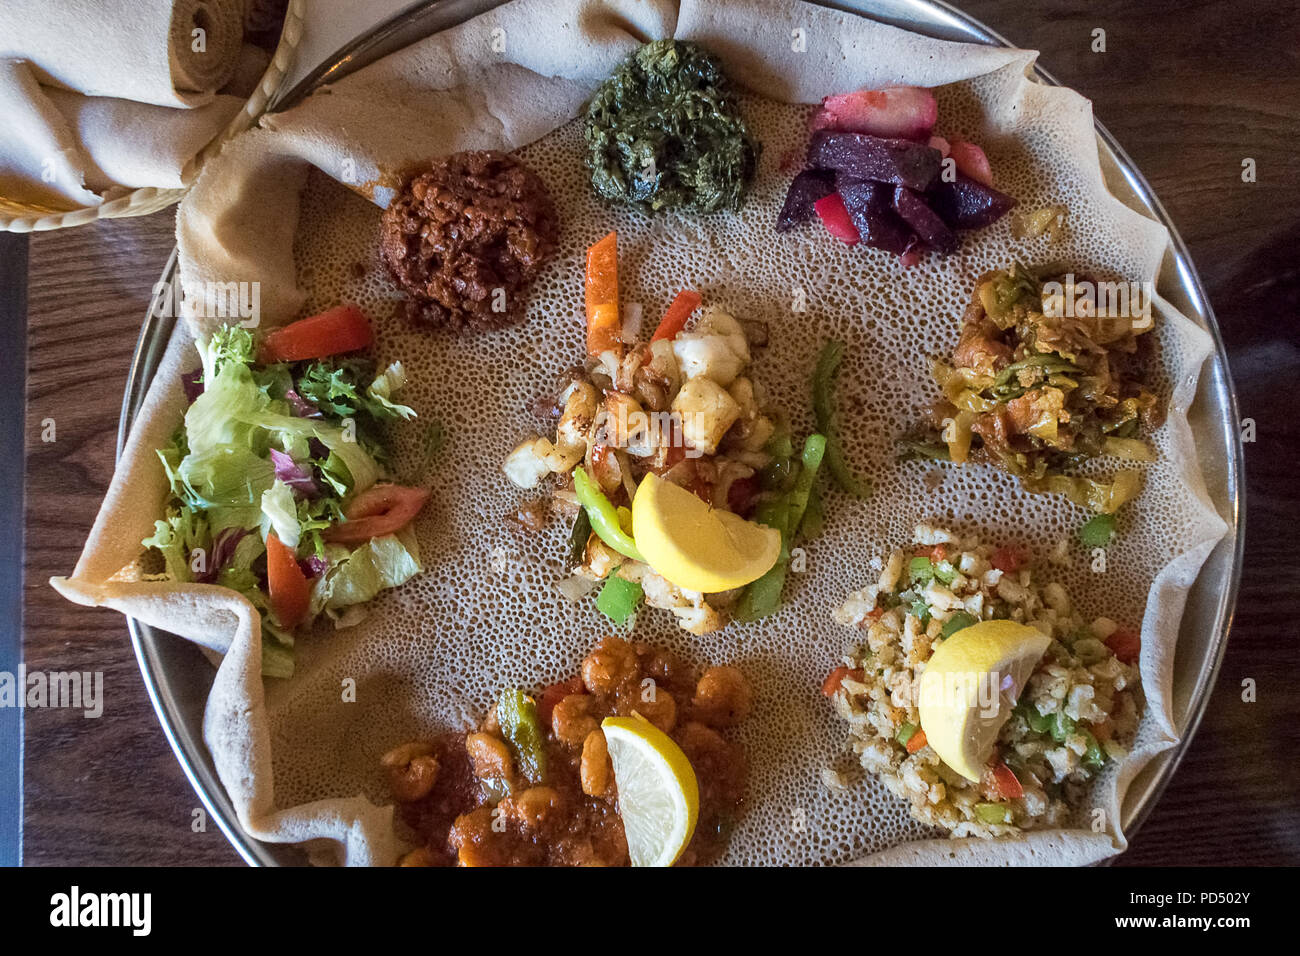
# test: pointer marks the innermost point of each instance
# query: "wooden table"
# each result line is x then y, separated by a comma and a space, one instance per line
1189, 89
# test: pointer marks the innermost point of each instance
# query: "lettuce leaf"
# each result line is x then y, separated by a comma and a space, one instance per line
335, 387
382, 388
235, 413
277, 660
175, 537
354, 577
280, 514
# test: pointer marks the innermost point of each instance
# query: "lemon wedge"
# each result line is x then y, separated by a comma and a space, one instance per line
970, 684
658, 795
696, 546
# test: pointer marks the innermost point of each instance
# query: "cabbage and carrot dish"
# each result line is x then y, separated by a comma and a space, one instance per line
1047, 375
278, 477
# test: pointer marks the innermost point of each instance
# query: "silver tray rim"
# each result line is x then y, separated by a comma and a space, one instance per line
180, 714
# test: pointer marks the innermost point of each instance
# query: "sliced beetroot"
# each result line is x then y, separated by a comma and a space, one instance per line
899, 162
903, 112
806, 188
835, 217
970, 159
966, 204
924, 221
870, 206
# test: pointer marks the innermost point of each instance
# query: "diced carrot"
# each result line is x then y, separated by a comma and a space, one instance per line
836, 677
341, 329
604, 330
916, 741
289, 592
674, 319
1126, 643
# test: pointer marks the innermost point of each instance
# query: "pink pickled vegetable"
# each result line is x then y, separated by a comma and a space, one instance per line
970, 159
904, 112
941, 144
836, 218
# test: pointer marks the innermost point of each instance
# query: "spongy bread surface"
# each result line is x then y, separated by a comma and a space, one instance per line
486, 613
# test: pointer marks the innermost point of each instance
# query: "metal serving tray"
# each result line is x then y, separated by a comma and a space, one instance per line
178, 677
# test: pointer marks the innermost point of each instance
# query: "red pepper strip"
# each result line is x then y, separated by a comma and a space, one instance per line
674, 319
553, 694
604, 330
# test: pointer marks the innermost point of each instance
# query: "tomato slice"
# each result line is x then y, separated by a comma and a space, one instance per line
290, 593
343, 328
1008, 559
377, 511
1126, 643
1004, 779
553, 694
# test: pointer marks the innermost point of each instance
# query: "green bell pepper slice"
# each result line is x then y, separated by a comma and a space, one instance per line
603, 515
823, 381
958, 621
993, 812
1097, 531
520, 725
619, 598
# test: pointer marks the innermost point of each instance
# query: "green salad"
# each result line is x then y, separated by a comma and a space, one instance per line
278, 478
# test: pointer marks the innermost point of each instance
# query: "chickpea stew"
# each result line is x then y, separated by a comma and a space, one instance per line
533, 784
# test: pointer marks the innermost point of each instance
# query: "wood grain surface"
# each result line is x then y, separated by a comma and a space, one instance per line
1189, 89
